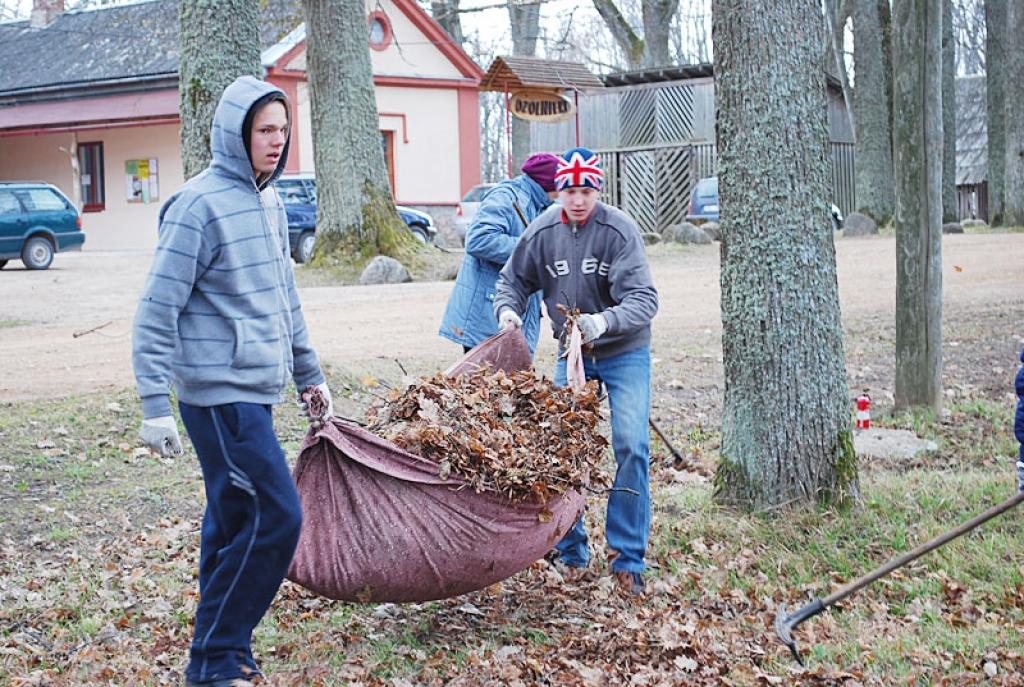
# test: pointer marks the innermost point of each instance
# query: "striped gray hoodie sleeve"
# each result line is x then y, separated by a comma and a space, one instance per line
631, 286
181, 255
305, 363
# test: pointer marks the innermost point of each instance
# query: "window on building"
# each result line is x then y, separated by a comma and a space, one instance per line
90, 167
380, 30
387, 141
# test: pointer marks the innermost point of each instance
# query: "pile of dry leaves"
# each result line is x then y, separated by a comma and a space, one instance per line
514, 434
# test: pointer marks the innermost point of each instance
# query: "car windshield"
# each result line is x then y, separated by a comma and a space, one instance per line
707, 187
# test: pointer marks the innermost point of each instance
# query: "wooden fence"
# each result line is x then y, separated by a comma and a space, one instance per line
653, 183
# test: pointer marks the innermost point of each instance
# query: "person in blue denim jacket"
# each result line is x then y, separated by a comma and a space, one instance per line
1018, 423
504, 213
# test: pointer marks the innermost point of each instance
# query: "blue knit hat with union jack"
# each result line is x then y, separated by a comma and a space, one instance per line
579, 167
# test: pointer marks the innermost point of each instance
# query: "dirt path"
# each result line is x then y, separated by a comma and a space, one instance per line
360, 329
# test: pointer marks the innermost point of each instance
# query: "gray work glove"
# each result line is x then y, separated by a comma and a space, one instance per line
592, 326
508, 319
1020, 475
322, 408
160, 434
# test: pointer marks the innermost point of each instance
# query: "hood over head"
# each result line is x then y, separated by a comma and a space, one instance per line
227, 137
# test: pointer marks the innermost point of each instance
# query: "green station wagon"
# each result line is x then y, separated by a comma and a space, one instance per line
36, 221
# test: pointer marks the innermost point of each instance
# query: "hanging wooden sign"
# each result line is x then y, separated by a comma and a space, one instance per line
541, 106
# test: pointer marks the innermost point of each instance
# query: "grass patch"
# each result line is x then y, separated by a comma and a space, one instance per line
7, 324
99, 573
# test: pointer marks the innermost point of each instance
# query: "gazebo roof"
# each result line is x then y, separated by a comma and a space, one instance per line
513, 73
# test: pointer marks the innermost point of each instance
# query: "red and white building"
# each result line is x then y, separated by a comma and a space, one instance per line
97, 90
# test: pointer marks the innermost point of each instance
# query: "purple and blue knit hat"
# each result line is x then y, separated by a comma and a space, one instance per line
579, 167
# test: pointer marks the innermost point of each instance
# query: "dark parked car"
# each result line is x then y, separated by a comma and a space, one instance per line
36, 221
298, 192
704, 204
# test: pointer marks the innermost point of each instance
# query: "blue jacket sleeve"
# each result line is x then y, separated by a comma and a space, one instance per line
491, 237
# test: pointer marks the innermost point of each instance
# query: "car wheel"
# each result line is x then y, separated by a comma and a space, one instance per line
420, 233
2, 264
37, 253
304, 247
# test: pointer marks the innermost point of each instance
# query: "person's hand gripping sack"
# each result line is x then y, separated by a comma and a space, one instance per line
508, 319
316, 404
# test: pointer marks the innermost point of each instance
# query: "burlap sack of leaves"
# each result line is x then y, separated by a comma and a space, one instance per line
381, 523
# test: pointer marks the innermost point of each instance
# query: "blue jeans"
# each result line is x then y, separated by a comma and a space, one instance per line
249, 533
627, 377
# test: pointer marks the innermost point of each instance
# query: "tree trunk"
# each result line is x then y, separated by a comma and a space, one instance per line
873, 174
657, 16
632, 45
917, 96
835, 21
786, 414
356, 216
996, 70
219, 42
950, 207
885, 20
1013, 179
446, 13
525, 23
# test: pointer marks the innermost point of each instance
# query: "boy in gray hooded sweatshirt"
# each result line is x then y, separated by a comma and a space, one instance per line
220, 318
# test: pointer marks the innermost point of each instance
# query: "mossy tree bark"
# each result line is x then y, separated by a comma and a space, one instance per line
356, 216
1013, 171
873, 174
917, 133
950, 207
219, 42
786, 434
996, 44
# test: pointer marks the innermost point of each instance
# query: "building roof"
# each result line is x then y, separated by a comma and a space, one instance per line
87, 48
644, 76
515, 72
971, 131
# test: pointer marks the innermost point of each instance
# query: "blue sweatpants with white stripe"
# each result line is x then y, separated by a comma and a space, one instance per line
249, 533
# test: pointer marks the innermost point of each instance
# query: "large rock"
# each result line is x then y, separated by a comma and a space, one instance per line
980, 223
952, 228
890, 444
384, 270
713, 230
650, 238
685, 233
857, 224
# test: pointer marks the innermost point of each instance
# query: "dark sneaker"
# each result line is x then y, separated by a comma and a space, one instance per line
569, 573
631, 583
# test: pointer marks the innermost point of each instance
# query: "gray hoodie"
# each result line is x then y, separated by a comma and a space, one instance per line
219, 314
598, 267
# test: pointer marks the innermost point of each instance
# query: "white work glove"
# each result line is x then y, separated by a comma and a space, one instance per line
509, 319
160, 434
1020, 475
316, 419
592, 326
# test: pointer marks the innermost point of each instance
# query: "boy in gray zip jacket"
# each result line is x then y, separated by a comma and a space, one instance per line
220, 317
587, 255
